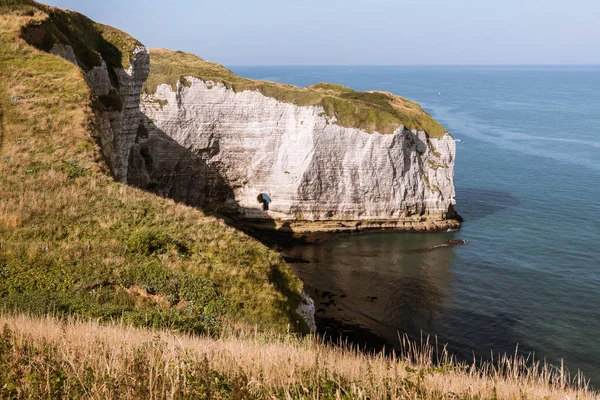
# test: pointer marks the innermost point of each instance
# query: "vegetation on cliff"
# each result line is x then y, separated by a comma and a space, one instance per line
369, 111
74, 241
89, 40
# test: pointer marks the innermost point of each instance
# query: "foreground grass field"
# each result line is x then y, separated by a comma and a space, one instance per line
51, 358
73, 241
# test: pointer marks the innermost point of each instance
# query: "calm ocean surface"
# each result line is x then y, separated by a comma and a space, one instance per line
528, 185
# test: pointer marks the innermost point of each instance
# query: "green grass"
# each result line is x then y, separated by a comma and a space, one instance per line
73, 241
369, 111
89, 39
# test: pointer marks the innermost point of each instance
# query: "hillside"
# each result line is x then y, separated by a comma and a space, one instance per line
72, 240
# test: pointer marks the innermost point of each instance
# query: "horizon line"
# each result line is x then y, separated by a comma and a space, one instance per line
415, 65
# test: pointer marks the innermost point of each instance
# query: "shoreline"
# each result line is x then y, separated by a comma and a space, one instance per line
288, 233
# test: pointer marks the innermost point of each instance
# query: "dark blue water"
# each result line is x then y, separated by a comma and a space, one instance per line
528, 185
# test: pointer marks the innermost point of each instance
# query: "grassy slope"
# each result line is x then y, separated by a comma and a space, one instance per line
369, 111
47, 358
72, 240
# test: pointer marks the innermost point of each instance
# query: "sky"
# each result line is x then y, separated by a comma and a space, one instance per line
361, 32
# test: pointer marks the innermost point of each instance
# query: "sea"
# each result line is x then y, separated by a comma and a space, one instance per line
527, 180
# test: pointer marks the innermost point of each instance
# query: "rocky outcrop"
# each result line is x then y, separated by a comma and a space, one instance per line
117, 104
118, 113
306, 310
317, 175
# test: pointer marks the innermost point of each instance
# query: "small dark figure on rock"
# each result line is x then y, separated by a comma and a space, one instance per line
265, 200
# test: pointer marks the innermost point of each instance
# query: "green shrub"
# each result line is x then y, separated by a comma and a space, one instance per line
149, 241
73, 169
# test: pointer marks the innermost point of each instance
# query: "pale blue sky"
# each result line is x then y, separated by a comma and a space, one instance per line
352, 32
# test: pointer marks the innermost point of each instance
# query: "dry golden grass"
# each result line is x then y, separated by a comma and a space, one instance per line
99, 361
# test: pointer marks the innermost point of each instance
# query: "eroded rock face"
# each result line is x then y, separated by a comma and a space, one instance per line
119, 111
117, 105
312, 169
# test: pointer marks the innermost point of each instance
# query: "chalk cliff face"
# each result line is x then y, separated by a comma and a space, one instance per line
120, 120
317, 174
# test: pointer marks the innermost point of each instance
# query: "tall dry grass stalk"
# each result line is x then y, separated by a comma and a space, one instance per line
53, 358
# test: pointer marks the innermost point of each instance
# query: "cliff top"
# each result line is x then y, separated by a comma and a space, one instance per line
48, 26
370, 111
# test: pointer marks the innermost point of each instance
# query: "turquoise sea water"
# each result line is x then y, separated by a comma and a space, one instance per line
528, 185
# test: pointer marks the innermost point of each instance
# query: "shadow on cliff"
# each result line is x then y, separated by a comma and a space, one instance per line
156, 163
159, 164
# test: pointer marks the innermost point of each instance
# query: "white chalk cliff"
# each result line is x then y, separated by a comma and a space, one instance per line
317, 174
